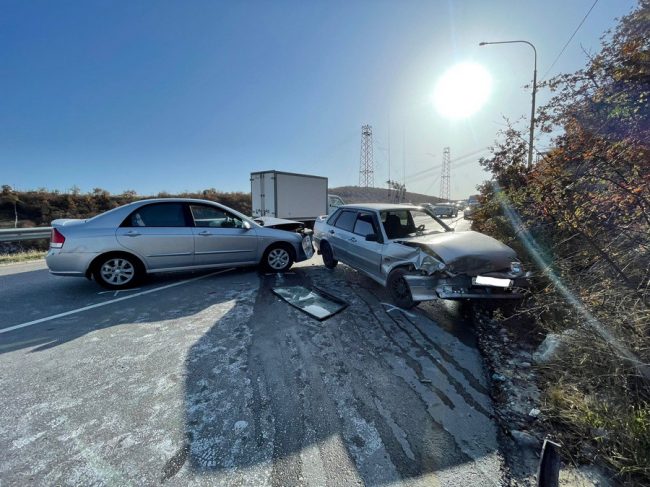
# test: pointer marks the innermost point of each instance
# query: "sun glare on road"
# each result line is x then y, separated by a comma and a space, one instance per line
462, 90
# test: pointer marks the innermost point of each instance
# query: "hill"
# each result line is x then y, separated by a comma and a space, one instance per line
356, 194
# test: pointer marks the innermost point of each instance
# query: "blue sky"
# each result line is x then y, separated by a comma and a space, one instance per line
187, 95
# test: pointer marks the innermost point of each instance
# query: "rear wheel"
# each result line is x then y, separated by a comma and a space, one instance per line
118, 271
399, 289
328, 256
278, 258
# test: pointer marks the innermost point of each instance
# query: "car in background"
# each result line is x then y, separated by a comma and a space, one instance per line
416, 256
444, 210
119, 247
468, 213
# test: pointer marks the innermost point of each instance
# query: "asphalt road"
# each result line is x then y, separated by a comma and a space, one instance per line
210, 379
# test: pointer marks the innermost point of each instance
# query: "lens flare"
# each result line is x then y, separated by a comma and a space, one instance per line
462, 90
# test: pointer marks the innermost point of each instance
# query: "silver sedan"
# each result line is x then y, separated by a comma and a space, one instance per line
416, 256
122, 245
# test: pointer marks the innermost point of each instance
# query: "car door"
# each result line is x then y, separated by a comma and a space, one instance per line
160, 234
366, 255
221, 238
340, 234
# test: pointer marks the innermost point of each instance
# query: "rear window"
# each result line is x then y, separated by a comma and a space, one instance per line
346, 220
157, 215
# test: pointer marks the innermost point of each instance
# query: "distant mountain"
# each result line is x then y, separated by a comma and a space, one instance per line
356, 194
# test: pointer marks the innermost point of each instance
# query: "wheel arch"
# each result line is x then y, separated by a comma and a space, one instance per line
280, 243
387, 269
95, 262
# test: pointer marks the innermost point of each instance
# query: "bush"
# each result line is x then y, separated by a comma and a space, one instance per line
581, 216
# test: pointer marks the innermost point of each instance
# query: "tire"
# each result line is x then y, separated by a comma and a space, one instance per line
277, 258
399, 289
118, 271
328, 256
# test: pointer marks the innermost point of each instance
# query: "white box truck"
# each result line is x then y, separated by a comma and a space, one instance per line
291, 196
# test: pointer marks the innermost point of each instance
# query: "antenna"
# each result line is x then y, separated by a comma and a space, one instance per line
366, 164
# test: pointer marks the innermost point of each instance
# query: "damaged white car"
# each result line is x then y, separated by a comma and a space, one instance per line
416, 256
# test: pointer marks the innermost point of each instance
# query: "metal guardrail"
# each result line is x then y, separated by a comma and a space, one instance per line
16, 234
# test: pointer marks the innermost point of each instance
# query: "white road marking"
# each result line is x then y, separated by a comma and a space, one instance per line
116, 292
99, 305
390, 308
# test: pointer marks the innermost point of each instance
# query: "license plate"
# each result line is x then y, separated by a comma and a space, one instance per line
492, 281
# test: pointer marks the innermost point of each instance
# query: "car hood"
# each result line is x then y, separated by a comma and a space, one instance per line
465, 252
272, 222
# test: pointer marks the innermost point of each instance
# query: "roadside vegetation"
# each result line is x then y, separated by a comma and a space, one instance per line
581, 215
39, 207
21, 256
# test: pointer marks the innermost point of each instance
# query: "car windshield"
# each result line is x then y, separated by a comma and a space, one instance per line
402, 223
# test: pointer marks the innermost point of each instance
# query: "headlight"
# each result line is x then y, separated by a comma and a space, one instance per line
516, 267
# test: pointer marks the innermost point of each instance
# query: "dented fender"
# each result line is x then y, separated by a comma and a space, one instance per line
413, 255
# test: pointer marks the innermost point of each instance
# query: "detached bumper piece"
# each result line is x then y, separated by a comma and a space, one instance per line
426, 288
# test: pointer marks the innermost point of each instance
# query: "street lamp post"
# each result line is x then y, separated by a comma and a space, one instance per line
532, 109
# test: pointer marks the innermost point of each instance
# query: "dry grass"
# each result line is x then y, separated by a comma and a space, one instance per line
22, 256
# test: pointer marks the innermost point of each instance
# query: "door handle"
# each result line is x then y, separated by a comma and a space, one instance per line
352, 239
332, 232
204, 233
132, 233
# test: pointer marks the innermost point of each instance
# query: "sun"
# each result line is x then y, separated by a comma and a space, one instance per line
462, 90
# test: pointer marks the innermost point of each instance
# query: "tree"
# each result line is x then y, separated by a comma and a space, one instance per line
585, 209
10, 196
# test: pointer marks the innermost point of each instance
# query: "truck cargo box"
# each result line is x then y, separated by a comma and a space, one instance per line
300, 197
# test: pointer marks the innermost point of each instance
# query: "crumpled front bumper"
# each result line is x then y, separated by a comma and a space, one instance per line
426, 288
305, 249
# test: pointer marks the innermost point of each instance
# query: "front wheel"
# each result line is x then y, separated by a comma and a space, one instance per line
277, 258
118, 271
399, 289
328, 256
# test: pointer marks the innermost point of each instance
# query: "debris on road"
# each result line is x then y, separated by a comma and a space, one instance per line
316, 303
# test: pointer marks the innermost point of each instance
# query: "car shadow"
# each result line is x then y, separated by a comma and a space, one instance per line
36, 295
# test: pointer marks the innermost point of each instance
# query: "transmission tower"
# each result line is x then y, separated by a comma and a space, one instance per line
445, 178
366, 165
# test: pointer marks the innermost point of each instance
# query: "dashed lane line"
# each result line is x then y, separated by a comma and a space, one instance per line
106, 303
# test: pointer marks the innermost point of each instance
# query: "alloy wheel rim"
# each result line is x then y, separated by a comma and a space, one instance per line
117, 271
278, 259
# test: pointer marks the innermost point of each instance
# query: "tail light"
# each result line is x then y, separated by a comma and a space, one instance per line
57, 239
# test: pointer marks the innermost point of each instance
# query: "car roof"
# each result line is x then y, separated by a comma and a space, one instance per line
381, 206
174, 200
116, 215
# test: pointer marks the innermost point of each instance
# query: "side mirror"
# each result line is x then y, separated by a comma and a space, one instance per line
372, 237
